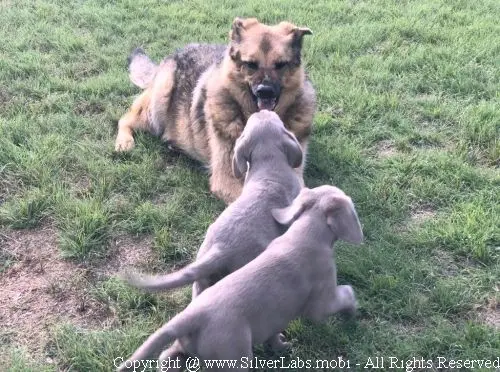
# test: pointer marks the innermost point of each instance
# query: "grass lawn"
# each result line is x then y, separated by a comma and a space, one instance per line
408, 124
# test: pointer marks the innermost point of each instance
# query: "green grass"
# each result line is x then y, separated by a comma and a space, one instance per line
408, 122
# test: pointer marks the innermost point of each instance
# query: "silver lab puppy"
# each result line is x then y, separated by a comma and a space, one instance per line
245, 227
295, 276
267, 153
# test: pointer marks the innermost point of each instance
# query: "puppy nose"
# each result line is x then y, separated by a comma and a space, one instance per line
265, 91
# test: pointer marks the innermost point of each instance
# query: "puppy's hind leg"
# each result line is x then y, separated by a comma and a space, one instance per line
233, 346
344, 300
173, 359
199, 286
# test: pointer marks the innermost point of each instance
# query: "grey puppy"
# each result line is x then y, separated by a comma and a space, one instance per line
246, 226
295, 276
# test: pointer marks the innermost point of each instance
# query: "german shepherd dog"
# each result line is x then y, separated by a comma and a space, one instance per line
199, 98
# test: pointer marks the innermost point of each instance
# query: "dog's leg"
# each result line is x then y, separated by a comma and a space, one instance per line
223, 183
223, 130
173, 359
300, 119
300, 170
300, 173
199, 286
149, 110
236, 349
225, 337
277, 343
344, 300
135, 119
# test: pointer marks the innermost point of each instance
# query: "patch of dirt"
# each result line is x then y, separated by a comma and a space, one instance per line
126, 252
380, 48
88, 108
448, 266
427, 98
335, 111
5, 98
422, 214
491, 313
418, 215
81, 187
40, 289
385, 149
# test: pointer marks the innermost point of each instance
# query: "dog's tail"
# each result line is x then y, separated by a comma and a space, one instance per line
180, 325
211, 263
141, 68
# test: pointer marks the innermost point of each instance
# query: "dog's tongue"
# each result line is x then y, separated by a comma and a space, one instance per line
266, 103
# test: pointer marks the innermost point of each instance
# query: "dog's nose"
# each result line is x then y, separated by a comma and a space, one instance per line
265, 91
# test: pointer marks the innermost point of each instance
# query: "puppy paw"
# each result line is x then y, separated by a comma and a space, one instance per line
278, 343
124, 143
349, 300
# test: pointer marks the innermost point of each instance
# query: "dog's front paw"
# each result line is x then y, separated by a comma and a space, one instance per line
124, 142
278, 343
350, 304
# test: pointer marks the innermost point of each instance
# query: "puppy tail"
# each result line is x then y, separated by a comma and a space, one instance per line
211, 263
141, 68
178, 326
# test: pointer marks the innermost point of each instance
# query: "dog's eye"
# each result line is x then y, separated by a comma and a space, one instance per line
280, 65
251, 65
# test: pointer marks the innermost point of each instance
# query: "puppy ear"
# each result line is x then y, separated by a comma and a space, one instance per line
342, 218
285, 216
241, 156
293, 150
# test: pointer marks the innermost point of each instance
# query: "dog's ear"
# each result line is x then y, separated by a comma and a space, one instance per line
301, 31
241, 156
298, 35
236, 30
293, 150
342, 218
296, 44
285, 216
239, 26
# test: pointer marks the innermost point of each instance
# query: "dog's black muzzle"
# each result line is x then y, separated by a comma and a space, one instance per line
267, 95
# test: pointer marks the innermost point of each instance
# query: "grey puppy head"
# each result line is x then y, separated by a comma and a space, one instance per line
265, 132
337, 208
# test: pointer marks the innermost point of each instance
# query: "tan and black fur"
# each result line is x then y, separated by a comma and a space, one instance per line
199, 98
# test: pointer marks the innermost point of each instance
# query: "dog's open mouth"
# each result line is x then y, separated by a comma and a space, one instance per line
266, 96
266, 103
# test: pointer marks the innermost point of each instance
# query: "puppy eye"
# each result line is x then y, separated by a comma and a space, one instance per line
251, 65
280, 65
